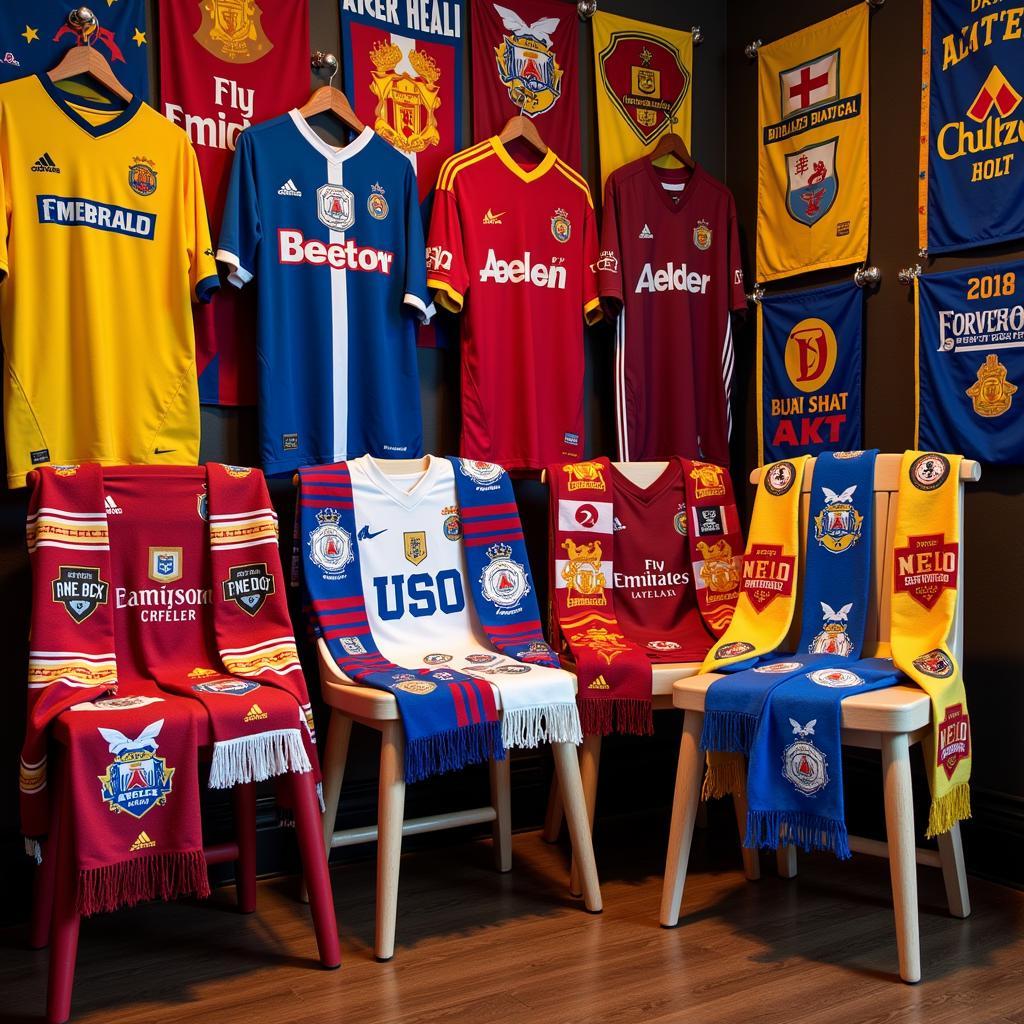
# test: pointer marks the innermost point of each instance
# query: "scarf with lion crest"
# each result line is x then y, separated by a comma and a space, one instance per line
613, 671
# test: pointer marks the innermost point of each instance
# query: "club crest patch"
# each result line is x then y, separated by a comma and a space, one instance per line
480, 659
480, 472
803, 764
835, 678
330, 545
734, 649
436, 659
928, 472
136, 780
351, 645
925, 567
778, 478
833, 638
561, 227
585, 475
954, 743
336, 207
420, 687
767, 574
503, 581
527, 63
717, 570
165, 565
230, 687
582, 574
142, 177
838, 526
709, 480
376, 204
679, 522
248, 586
80, 589
663, 645
936, 664
452, 525
779, 667
415, 544
508, 670
813, 183
702, 236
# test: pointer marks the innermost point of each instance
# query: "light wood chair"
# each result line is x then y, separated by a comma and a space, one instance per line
352, 702
643, 474
889, 720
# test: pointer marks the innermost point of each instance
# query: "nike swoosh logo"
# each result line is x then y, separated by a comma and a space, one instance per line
364, 533
164, 451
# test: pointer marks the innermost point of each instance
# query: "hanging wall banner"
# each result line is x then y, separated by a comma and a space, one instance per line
970, 362
525, 56
972, 136
812, 172
644, 81
223, 67
34, 35
809, 372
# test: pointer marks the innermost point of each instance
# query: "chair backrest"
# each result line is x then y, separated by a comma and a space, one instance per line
886, 498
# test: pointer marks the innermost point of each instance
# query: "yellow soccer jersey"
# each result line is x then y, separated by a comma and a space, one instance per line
104, 247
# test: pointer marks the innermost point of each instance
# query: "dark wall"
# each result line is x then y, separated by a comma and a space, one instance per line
230, 436
994, 556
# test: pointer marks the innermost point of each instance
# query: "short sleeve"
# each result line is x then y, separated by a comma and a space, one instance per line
203, 279
240, 230
417, 295
737, 294
609, 277
590, 295
447, 275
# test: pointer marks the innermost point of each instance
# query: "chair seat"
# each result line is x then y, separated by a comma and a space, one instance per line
896, 709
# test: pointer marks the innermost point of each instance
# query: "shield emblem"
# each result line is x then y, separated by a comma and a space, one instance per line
335, 206
165, 564
415, 546
812, 183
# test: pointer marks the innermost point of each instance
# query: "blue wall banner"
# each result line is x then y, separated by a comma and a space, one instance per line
970, 362
971, 178
809, 372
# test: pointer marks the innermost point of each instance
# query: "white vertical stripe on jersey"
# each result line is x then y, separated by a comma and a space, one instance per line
596, 516
406, 45
620, 385
339, 332
728, 362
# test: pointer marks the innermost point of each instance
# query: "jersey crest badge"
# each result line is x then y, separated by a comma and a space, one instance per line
561, 227
527, 64
480, 472
142, 176
415, 542
136, 780
232, 30
702, 236
838, 525
330, 545
335, 206
803, 764
833, 638
991, 394
203, 506
165, 564
231, 687
503, 581
376, 204
406, 104
926, 567
812, 182
582, 574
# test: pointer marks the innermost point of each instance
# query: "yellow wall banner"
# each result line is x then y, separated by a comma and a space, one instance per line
643, 77
812, 181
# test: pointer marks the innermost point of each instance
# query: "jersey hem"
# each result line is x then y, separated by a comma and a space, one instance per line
21, 479
446, 296
238, 275
423, 312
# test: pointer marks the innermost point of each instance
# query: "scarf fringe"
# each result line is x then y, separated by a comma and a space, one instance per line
726, 775
728, 732
34, 849
601, 717
256, 758
164, 876
452, 749
946, 811
548, 723
811, 832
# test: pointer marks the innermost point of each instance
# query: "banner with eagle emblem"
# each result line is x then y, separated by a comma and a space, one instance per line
644, 81
812, 174
525, 58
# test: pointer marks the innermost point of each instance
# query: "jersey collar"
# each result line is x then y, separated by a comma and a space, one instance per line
658, 183
539, 171
64, 101
408, 490
334, 154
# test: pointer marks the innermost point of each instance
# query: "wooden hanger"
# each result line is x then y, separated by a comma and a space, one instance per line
328, 99
519, 126
85, 59
671, 144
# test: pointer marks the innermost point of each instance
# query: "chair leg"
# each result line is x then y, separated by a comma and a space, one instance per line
684, 810
244, 800
390, 815
954, 874
314, 867
46, 879
785, 861
751, 859
899, 825
501, 801
568, 768
553, 817
66, 919
590, 764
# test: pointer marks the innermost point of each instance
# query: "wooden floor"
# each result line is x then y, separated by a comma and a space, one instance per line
475, 946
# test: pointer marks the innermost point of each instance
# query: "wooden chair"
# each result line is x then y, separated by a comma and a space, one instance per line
889, 720
352, 702
643, 474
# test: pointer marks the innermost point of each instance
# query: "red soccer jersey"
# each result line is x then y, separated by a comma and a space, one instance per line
655, 599
670, 268
516, 247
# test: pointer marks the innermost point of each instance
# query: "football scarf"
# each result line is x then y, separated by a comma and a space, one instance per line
149, 664
970, 362
613, 671
812, 180
644, 83
525, 58
223, 67
971, 181
924, 604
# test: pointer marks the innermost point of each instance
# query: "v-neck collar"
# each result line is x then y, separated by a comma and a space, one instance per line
410, 497
334, 154
506, 158
663, 193
665, 479
64, 100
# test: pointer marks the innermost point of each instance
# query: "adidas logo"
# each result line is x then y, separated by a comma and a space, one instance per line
646, 232
45, 163
617, 524
289, 189
111, 507
490, 217
255, 714
599, 684
142, 843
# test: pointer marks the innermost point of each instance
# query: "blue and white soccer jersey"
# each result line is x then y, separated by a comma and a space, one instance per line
334, 239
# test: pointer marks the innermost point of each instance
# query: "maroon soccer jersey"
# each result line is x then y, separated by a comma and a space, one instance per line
670, 268
655, 600
516, 246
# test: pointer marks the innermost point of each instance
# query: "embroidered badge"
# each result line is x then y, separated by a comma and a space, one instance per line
508, 670
238, 472
376, 204
663, 645
165, 564
717, 570
330, 545
436, 659
142, 176
709, 480
452, 525
480, 472
561, 227
602, 640
838, 525
335, 206
503, 581
928, 472
954, 743
248, 586
702, 236
833, 638
420, 687
582, 574
679, 521
80, 589
351, 645
935, 663
779, 478
779, 667
803, 764
415, 543
924, 568
991, 394
733, 649
229, 687
480, 659
835, 678
767, 574
203, 506
585, 475
136, 780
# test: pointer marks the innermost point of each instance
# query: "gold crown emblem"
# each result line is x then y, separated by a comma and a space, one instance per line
328, 517
425, 66
496, 551
385, 56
